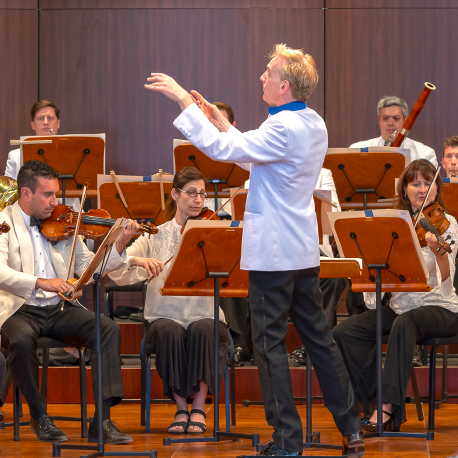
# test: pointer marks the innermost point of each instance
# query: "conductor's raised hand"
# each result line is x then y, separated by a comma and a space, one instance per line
211, 112
152, 266
166, 85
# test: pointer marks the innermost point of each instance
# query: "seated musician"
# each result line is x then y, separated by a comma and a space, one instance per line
450, 156
392, 112
32, 272
409, 317
180, 326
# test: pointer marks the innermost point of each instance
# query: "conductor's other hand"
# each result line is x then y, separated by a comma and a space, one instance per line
152, 266
126, 236
211, 112
160, 82
52, 285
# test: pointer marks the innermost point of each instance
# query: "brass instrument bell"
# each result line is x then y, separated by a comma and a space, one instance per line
8, 191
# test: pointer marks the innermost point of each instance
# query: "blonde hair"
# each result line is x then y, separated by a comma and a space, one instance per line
300, 71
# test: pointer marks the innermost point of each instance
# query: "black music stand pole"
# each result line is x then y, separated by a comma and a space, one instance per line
63, 178
216, 182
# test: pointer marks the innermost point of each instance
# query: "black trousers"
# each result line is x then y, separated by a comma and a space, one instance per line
274, 296
185, 356
237, 313
75, 326
356, 340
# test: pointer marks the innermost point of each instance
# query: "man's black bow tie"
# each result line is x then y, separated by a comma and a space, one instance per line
36, 222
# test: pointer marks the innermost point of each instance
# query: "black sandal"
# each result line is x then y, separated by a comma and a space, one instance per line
202, 426
183, 424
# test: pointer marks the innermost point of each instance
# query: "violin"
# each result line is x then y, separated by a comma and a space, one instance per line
204, 214
94, 224
432, 219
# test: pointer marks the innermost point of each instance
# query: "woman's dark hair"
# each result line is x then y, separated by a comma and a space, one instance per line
181, 178
401, 201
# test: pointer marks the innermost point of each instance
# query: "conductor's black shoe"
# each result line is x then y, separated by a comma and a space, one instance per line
111, 434
417, 360
2, 415
298, 357
46, 430
241, 356
353, 445
270, 449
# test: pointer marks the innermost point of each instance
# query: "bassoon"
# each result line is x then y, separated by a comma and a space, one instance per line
409, 122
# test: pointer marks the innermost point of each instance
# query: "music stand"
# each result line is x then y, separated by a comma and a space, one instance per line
77, 158
142, 194
386, 241
220, 174
99, 260
365, 174
450, 195
207, 252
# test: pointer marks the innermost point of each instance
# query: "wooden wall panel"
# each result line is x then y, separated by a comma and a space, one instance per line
372, 53
19, 4
365, 4
19, 64
93, 64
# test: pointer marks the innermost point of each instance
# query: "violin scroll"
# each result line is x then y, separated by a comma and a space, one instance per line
4, 228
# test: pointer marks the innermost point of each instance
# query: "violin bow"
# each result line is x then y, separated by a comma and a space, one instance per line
77, 228
161, 184
328, 201
121, 195
227, 201
427, 195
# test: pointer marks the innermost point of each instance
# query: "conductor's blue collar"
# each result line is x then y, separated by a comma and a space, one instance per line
292, 106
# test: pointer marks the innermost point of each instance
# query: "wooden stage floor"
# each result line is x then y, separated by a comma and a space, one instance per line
249, 420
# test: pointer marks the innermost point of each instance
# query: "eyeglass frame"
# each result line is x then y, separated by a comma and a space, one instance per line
197, 193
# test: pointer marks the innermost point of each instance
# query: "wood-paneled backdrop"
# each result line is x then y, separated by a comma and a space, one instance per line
92, 57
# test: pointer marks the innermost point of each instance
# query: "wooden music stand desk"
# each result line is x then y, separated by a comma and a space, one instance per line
365, 174
220, 174
450, 196
208, 252
389, 248
77, 158
143, 198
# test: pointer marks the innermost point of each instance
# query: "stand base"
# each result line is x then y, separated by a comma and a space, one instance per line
57, 447
429, 436
217, 436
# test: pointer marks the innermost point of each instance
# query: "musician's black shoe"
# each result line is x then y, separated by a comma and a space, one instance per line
241, 356
46, 430
353, 445
298, 357
270, 449
111, 434
417, 360
2, 415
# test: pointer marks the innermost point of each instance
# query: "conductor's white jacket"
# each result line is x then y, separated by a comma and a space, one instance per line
285, 155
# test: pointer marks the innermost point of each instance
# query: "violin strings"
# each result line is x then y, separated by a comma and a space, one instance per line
425, 224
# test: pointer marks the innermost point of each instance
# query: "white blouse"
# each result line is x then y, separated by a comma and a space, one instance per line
443, 293
182, 309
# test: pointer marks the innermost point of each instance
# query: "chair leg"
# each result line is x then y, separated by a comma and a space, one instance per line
445, 374
416, 394
83, 394
142, 391
226, 399
17, 401
148, 394
110, 305
231, 342
44, 377
432, 387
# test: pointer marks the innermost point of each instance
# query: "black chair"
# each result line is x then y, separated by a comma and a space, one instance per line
146, 351
45, 343
111, 287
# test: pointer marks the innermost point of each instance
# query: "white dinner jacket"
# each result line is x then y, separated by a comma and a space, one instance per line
17, 279
417, 150
286, 154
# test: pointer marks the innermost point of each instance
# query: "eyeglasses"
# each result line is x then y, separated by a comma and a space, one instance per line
193, 193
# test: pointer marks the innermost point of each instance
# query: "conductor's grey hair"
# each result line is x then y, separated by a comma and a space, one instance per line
389, 101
